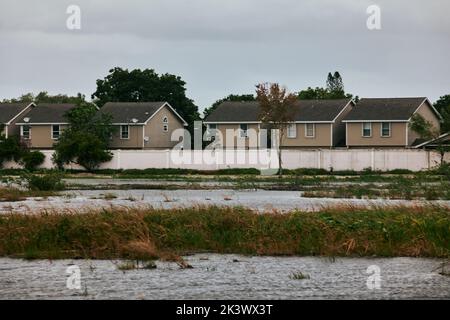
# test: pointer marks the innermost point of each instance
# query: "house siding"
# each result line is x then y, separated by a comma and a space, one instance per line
397, 138
426, 112
158, 139
322, 137
41, 136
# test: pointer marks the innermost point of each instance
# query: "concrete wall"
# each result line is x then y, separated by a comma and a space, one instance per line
353, 159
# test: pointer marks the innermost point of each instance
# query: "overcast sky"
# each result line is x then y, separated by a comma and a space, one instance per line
227, 46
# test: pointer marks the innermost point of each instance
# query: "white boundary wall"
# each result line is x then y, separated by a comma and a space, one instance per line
345, 159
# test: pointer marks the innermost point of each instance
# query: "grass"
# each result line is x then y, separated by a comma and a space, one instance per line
299, 276
14, 194
149, 234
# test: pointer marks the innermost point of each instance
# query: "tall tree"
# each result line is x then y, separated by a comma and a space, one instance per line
231, 97
443, 106
277, 111
122, 85
334, 90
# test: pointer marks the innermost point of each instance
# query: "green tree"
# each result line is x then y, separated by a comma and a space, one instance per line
85, 142
442, 105
44, 97
334, 90
277, 111
231, 97
427, 131
10, 149
121, 85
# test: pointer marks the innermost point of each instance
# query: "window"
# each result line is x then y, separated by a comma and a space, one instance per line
55, 132
385, 129
124, 132
243, 130
367, 129
211, 132
165, 124
292, 131
25, 132
310, 130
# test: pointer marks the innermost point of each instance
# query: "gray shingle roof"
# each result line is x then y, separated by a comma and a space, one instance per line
48, 113
124, 112
306, 110
399, 109
9, 110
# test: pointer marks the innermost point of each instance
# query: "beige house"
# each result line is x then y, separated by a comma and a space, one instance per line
143, 125
42, 125
10, 114
316, 124
384, 122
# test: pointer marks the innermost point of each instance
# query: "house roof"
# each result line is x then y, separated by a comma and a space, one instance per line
47, 113
306, 111
126, 112
443, 139
8, 111
380, 109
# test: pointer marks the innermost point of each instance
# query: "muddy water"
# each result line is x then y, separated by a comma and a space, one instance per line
260, 200
228, 277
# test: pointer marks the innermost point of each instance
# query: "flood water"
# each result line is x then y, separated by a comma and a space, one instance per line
216, 276
261, 200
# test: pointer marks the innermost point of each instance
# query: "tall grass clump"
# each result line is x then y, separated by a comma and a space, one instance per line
148, 234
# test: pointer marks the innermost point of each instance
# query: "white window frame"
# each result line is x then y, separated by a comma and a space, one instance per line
165, 127
381, 130
292, 131
313, 130
370, 128
53, 132
122, 132
243, 133
29, 132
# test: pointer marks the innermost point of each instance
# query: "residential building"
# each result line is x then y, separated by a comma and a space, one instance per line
384, 122
143, 125
41, 127
9, 114
316, 124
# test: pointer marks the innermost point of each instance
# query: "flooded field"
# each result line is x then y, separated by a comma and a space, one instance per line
260, 200
229, 277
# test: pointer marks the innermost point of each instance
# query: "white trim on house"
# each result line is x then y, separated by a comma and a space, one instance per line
432, 108
171, 108
362, 130
381, 130
289, 127
314, 131
343, 109
17, 115
356, 121
51, 131
121, 132
42, 124
432, 140
29, 132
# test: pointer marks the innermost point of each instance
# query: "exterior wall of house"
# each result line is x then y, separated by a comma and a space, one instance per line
426, 112
41, 136
322, 137
356, 139
158, 138
234, 140
339, 127
134, 141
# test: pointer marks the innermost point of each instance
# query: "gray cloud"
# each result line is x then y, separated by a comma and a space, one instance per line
221, 47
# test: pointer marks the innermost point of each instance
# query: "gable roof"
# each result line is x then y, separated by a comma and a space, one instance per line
47, 113
9, 111
142, 112
382, 109
305, 111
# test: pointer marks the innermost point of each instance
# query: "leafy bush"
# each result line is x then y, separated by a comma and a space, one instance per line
31, 160
10, 149
46, 182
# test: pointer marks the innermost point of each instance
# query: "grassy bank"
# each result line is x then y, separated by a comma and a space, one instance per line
167, 234
14, 194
